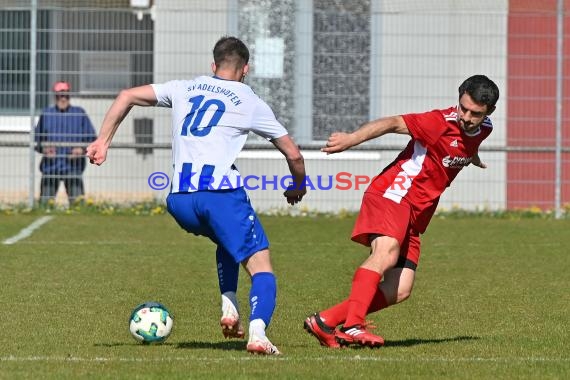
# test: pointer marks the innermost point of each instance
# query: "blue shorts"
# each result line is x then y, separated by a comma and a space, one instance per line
225, 216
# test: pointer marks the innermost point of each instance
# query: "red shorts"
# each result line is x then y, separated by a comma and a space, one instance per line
382, 216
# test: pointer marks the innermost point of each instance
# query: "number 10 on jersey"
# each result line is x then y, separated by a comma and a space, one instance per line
199, 108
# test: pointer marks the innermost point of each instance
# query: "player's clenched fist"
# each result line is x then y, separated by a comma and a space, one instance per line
97, 152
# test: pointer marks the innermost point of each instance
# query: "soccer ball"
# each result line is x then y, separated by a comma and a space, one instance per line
150, 322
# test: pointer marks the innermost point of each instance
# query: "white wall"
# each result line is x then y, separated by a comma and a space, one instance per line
451, 48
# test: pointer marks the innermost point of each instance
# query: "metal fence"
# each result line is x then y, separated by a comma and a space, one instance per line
322, 65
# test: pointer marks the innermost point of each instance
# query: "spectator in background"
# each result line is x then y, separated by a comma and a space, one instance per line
62, 134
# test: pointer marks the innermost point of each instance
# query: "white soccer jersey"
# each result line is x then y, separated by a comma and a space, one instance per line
211, 118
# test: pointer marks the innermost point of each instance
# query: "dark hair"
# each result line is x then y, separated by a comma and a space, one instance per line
231, 51
481, 89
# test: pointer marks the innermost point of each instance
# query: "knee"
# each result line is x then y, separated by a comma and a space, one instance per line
384, 254
391, 259
258, 262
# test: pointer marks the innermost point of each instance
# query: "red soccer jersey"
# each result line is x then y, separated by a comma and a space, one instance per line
438, 150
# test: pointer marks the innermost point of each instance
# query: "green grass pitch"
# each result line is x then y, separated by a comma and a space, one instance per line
491, 300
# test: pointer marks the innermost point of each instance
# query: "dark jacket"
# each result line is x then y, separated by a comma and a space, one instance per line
68, 127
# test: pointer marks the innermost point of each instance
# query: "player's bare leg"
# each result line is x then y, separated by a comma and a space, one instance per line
397, 285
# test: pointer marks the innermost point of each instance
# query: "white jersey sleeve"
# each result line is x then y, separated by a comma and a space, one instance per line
265, 124
164, 91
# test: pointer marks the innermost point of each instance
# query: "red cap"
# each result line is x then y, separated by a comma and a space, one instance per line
61, 87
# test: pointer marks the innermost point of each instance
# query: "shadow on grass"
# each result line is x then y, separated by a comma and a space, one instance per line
227, 346
241, 345
415, 342
123, 344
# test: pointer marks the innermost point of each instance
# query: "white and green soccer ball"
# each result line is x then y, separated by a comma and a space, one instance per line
150, 322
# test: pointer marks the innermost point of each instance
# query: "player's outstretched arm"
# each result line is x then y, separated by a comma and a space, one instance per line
136, 96
341, 141
296, 163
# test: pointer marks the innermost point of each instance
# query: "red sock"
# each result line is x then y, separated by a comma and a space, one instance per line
364, 285
336, 315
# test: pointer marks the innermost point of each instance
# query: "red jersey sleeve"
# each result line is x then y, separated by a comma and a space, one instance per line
426, 127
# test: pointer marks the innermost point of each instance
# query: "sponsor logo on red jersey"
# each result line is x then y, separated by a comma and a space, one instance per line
456, 162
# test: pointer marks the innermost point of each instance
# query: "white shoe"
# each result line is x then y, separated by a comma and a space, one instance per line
231, 325
261, 346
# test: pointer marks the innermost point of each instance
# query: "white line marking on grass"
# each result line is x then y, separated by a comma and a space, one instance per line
85, 242
28, 230
12, 358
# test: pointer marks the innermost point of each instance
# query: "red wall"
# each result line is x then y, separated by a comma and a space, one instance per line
531, 102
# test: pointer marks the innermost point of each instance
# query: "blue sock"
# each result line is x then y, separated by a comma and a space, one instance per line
228, 271
262, 296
